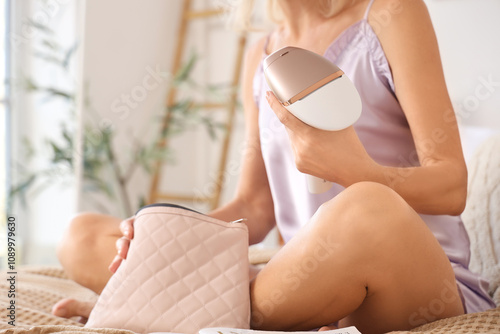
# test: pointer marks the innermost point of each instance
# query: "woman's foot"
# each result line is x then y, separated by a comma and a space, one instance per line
68, 307
327, 328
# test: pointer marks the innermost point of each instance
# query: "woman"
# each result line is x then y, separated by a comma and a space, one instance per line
387, 253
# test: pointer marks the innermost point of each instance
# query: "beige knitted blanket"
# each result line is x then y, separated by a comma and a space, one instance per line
39, 288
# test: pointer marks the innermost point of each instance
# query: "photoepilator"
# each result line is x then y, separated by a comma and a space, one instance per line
315, 91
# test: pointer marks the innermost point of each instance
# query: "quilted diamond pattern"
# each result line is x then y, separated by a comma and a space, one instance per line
184, 271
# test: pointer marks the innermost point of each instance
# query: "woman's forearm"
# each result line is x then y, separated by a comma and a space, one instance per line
440, 188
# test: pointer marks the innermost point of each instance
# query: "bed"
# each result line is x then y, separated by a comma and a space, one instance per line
38, 288
41, 287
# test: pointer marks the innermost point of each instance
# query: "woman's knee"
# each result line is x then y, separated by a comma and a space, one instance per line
370, 222
88, 247
371, 197
80, 233
367, 208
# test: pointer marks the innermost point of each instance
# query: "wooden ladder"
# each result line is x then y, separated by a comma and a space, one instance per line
188, 15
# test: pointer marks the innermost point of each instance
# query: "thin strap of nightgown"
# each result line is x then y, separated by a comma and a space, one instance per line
368, 9
266, 43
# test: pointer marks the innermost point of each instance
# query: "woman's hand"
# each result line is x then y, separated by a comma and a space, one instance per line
123, 243
337, 156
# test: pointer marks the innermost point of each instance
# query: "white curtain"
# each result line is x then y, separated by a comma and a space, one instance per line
3, 128
38, 27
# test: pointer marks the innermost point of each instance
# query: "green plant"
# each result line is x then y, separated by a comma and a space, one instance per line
102, 172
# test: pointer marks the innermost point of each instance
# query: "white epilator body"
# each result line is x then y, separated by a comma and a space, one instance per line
314, 90
325, 108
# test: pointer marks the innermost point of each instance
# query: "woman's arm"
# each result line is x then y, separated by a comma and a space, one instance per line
253, 199
439, 185
409, 42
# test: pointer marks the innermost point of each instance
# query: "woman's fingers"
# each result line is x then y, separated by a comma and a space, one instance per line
122, 245
285, 117
127, 227
113, 267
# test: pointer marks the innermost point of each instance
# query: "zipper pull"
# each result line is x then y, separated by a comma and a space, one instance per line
241, 220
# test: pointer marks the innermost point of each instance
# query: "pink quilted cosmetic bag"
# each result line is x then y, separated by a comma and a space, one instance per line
184, 271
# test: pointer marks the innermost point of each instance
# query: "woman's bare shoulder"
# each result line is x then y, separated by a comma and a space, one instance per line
255, 52
404, 29
387, 15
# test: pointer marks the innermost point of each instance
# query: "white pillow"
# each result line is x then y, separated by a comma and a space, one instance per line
482, 213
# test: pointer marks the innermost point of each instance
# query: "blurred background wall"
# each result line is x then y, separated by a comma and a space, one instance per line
467, 33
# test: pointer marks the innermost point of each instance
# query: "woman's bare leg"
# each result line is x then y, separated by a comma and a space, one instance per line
364, 259
88, 247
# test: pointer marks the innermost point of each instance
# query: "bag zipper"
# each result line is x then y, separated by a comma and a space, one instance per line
170, 205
